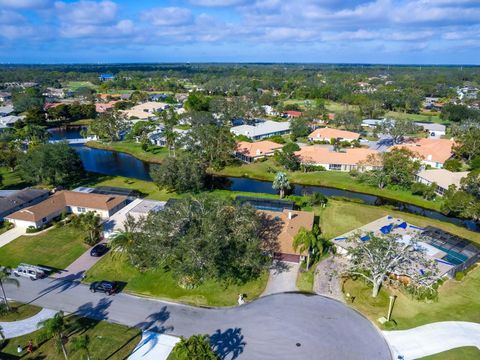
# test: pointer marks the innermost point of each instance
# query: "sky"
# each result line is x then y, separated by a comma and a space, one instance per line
310, 31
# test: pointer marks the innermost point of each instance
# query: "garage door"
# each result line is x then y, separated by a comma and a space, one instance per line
287, 257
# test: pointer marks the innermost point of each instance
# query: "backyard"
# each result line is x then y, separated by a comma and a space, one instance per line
56, 248
155, 154
161, 284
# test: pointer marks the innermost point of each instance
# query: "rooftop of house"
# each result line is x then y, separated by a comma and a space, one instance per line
20, 197
329, 133
102, 107
62, 199
291, 222
145, 110
8, 109
442, 177
294, 113
437, 150
261, 128
318, 154
257, 148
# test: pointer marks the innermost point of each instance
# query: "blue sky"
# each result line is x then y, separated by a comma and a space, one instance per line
362, 31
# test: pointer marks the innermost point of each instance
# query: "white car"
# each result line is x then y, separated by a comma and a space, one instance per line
31, 271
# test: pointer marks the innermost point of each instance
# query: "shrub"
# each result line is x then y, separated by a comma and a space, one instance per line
32, 229
459, 275
317, 198
454, 165
277, 139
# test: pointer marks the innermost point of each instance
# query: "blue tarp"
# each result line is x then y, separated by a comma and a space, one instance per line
365, 238
341, 238
403, 225
386, 229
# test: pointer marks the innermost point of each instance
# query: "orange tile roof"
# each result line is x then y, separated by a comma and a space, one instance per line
290, 228
329, 133
258, 148
437, 150
318, 154
62, 199
102, 107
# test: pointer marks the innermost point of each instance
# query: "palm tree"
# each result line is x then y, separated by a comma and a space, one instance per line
6, 279
2, 335
195, 347
91, 223
82, 343
310, 242
124, 240
281, 183
56, 326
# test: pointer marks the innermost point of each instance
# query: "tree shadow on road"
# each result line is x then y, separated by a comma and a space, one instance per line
228, 344
154, 322
97, 312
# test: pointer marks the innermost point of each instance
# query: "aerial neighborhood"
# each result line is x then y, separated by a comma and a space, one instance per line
186, 187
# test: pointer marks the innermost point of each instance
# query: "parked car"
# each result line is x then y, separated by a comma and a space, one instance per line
99, 250
31, 271
107, 287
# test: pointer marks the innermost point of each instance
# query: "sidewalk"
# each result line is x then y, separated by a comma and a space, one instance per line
23, 327
154, 346
432, 338
10, 235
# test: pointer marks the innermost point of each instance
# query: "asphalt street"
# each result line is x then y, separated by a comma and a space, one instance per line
281, 326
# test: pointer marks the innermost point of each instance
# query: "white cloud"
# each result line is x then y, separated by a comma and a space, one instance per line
168, 16
86, 12
220, 3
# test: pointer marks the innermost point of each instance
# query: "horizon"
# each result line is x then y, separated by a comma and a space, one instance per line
396, 32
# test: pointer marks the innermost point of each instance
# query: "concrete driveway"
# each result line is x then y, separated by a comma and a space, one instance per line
10, 235
283, 278
433, 338
283, 326
154, 346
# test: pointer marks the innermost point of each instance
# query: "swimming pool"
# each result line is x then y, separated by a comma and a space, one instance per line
452, 257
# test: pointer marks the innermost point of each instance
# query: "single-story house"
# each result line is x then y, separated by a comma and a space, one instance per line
262, 130
145, 111
293, 114
372, 123
432, 152
450, 253
6, 110
433, 130
250, 152
157, 137
10, 120
157, 97
103, 107
67, 202
5, 96
327, 134
443, 178
20, 199
290, 221
360, 159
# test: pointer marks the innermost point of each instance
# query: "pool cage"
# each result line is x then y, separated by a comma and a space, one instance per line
460, 252
266, 204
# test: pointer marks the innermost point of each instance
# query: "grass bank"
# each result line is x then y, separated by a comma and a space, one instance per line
161, 284
457, 301
56, 248
463, 353
155, 154
266, 171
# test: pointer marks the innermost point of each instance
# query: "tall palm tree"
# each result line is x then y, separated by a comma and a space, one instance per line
56, 327
6, 279
82, 343
281, 183
310, 242
124, 240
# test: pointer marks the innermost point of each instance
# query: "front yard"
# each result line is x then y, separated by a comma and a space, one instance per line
161, 284
457, 301
56, 248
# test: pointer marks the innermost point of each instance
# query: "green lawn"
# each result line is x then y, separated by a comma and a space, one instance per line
414, 117
155, 154
56, 248
11, 180
340, 217
457, 301
305, 279
107, 341
75, 85
463, 353
81, 122
161, 284
19, 312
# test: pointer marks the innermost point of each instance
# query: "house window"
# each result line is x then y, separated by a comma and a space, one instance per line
81, 209
44, 220
335, 167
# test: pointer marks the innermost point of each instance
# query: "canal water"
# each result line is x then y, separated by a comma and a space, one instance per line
121, 164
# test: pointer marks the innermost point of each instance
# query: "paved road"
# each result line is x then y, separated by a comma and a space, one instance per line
433, 338
268, 328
